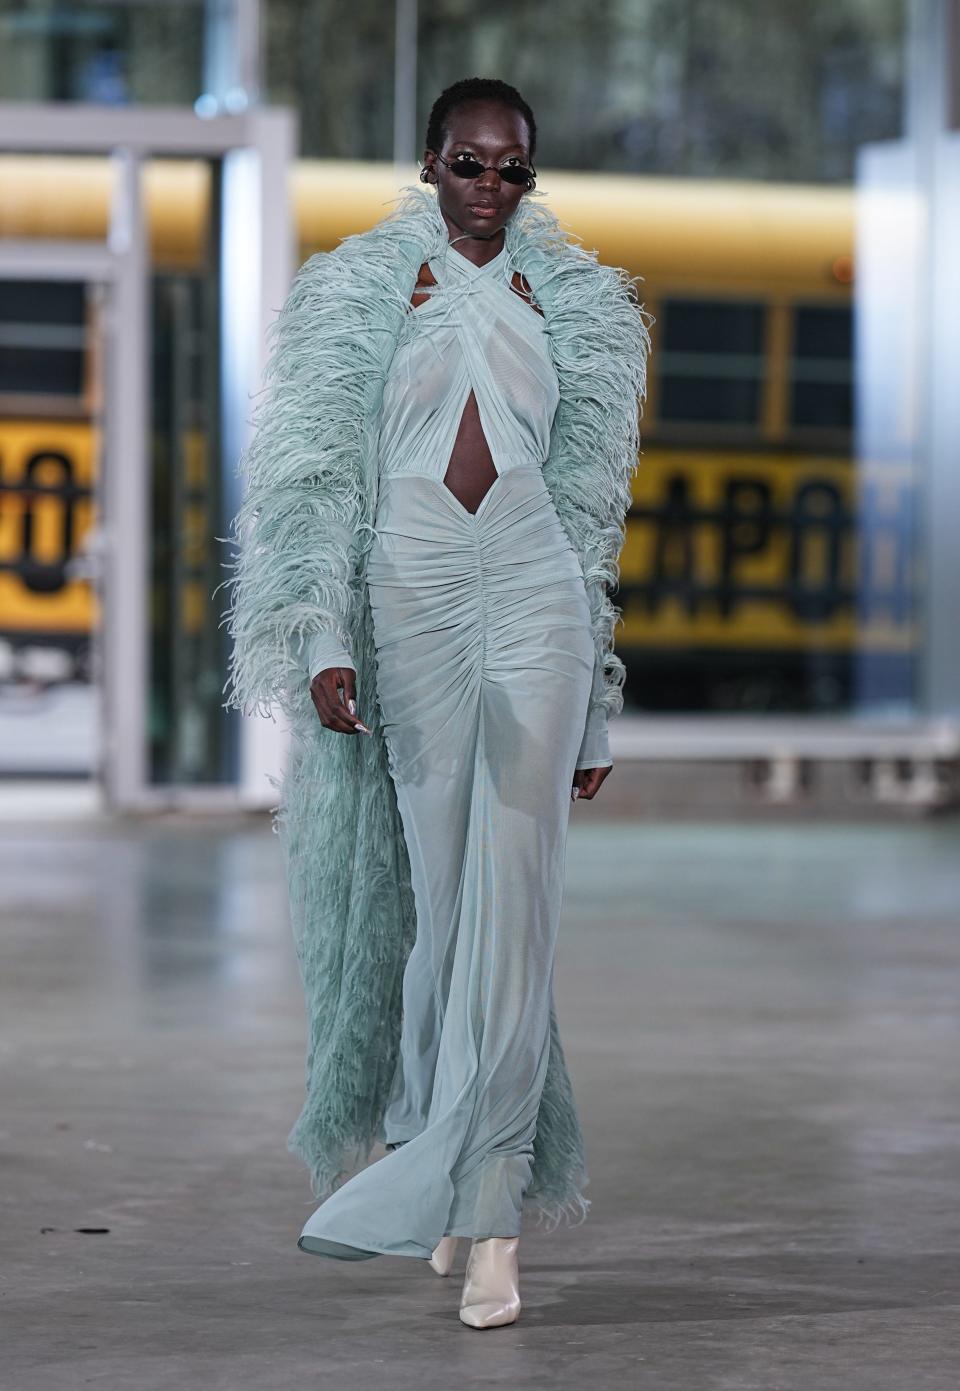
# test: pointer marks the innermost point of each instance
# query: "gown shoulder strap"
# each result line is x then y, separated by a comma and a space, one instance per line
521, 286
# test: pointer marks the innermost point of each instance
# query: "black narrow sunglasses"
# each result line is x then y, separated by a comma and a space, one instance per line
470, 168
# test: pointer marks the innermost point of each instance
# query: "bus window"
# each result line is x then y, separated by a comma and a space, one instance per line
711, 362
820, 370
42, 338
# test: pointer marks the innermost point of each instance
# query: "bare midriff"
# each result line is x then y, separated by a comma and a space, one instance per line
471, 471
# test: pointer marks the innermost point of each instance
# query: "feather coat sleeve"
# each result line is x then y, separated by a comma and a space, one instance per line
618, 394
600, 336
293, 589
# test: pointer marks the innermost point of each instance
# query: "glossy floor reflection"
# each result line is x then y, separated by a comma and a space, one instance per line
763, 1028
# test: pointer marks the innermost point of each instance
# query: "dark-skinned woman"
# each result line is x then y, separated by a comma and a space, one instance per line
486, 569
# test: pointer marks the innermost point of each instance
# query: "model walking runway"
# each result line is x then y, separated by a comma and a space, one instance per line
437, 489
484, 664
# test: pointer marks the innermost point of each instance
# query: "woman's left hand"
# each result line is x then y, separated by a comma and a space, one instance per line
588, 781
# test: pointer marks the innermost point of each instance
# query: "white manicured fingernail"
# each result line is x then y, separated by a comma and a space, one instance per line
364, 728
352, 706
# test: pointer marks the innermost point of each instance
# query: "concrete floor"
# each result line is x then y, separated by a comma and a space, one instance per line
763, 1027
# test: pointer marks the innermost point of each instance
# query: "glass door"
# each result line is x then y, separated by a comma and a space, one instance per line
51, 406
126, 388
191, 737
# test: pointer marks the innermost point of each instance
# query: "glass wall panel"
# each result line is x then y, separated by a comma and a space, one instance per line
52, 396
190, 733
678, 87
50, 466
108, 53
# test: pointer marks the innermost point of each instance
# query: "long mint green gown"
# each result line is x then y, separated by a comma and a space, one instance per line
484, 664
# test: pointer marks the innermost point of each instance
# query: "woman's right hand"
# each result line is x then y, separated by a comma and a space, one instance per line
336, 712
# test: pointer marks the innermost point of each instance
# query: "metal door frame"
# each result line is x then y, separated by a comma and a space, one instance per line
257, 147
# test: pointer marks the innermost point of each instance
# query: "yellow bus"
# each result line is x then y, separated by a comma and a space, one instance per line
749, 581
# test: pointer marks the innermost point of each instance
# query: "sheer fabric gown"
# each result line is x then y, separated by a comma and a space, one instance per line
484, 665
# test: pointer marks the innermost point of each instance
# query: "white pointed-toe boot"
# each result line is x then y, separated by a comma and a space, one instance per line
443, 1255
491, 1287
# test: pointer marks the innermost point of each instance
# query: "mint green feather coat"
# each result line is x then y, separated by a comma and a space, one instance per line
302, 535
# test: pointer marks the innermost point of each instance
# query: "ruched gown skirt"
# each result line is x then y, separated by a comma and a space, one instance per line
484, 666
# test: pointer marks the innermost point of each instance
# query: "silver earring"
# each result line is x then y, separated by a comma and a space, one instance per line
425, 175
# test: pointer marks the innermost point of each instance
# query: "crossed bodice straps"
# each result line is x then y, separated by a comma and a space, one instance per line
473, 332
